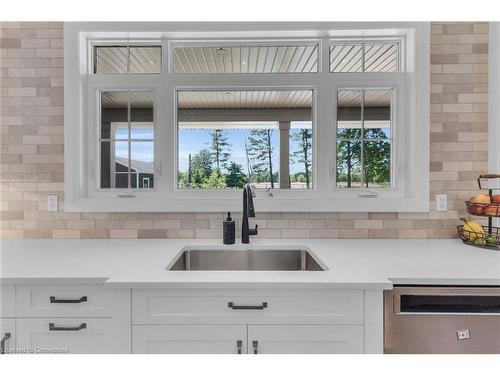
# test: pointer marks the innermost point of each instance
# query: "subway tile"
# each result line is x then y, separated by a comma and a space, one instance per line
124, 233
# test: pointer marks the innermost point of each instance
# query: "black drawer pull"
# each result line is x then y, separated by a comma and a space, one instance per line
239, 345
231, 305
3, 341
80, 300
53, 327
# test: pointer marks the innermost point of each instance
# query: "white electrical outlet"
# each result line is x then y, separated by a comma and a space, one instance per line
441, 202
52, 202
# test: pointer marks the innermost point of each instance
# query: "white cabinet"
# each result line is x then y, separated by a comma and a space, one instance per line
190, 339
263, 320
7, 335
73, 335
60, 300
7, 301
268, 306
242, 339
305, 339
78, 318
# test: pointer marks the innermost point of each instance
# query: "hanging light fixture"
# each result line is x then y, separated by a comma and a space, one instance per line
221, 51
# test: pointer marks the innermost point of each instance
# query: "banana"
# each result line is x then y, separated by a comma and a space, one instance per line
472, 229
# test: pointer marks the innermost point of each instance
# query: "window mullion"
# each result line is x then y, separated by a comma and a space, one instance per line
362, 145
129, 142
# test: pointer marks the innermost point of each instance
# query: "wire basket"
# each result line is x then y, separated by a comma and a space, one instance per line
488, 239
483, 209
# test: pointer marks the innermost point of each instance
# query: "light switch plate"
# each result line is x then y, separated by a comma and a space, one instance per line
52, 203
441, 202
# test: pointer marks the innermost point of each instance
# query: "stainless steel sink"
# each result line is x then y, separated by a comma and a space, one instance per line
245, 259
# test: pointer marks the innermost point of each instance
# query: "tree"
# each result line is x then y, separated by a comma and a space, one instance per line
235, 177
201, 168
219, 149
249, 161
215, 181
261, 149
304, 155
348, 155
376, 154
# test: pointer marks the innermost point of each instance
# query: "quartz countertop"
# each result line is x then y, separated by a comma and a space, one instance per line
360, 264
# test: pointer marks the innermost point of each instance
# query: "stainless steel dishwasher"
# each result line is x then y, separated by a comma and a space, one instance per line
442, 319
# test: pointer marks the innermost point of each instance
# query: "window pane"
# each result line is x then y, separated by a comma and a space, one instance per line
374, 57
114, 164
246, 59
349, 114
121, 160
127, 59
142, 163
381, 57
377, 113
110, 60
114, 115
346, 58
141, 115
377, 164
229, 138
145, 59
348, 164
301, 144
116, 120
364, 138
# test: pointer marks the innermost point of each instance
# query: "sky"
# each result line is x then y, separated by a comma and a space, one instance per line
193, 141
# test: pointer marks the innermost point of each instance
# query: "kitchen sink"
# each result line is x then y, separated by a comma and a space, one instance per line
245, 259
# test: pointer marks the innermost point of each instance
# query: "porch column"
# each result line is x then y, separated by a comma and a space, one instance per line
284, 127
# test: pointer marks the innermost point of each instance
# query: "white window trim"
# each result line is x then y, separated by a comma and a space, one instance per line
493, 100
80, 121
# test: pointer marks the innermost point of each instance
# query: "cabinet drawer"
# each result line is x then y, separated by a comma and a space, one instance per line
246, 307
190, 339
7, 301
304, 339
73, 335
8, 335
71, 301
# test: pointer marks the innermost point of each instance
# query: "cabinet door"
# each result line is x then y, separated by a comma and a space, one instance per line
8, 335
7, 301
73, 335
189, 339
304, 339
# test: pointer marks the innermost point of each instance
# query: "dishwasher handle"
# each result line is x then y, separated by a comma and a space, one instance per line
407, 303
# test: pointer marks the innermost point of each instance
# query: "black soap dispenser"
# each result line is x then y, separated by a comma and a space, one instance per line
229, 230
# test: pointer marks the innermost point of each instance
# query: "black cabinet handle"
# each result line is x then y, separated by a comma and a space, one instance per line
80, 300
262, 306
255, 345
239, 345
3, 341
53, 327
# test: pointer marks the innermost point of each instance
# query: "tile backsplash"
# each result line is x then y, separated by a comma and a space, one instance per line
32, 150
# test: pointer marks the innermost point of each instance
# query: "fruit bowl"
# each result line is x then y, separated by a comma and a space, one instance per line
475, 238
483, 209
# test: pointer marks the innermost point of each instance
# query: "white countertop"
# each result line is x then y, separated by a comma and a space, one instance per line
366, 264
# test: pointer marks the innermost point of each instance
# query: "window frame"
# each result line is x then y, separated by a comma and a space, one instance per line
411, 90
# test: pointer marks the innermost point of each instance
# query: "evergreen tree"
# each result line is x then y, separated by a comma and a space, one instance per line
219, 149
201, 168
304, 155
261, 149
235, 177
